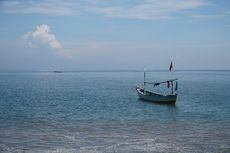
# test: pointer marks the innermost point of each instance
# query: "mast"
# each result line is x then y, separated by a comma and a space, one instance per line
144, 80
170, 71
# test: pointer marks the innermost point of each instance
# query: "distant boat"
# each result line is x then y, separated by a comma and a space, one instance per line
148, 95
57, 71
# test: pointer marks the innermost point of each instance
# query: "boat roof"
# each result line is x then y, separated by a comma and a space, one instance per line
171, 80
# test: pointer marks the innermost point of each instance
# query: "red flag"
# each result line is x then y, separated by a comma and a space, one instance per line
171, 66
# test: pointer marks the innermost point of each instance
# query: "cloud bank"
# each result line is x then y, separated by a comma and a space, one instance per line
132, 9
152, 9
42, 35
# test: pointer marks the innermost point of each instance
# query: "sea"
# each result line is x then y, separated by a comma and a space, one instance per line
100, 112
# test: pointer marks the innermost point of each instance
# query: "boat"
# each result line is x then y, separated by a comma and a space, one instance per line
147, 95
57, 71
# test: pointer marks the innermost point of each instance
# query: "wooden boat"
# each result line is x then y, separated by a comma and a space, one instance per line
156, 97
148, 95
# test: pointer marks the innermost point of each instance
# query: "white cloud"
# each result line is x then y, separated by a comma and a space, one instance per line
45, 7
146, 9
43, 35
210, 16
152, 9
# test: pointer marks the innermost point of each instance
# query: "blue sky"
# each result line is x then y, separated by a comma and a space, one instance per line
114, 34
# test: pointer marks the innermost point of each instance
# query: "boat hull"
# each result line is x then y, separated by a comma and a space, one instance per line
154, 97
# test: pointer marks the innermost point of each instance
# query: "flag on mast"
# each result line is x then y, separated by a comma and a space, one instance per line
171, 66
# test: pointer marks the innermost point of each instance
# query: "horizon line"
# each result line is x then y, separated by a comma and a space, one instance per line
117, 70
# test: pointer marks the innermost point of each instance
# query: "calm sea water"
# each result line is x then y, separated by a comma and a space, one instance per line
100, 112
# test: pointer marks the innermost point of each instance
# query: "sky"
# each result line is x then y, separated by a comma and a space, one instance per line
114, 34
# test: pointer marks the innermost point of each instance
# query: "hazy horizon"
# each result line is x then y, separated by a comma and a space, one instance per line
114, 35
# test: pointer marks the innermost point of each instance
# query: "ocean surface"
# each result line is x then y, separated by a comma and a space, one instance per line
91, 112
